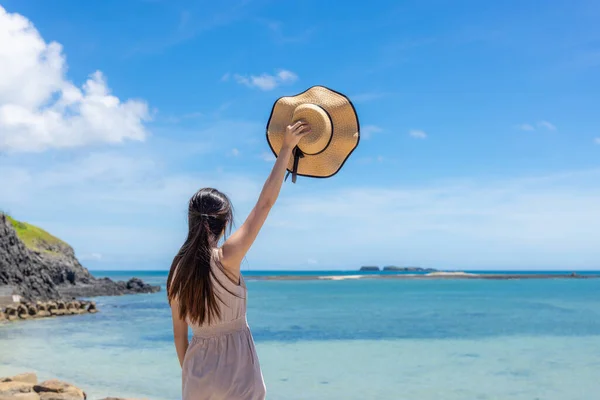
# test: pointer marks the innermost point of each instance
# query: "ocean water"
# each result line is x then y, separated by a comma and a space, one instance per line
348, 339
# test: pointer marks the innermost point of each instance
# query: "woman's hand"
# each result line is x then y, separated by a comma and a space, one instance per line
293, 134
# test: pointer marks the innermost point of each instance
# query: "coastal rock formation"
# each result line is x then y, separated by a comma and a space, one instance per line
39, 266
26, 387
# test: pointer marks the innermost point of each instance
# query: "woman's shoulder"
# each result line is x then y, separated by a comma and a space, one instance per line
221, 271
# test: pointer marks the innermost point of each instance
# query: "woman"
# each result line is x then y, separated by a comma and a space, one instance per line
206, 291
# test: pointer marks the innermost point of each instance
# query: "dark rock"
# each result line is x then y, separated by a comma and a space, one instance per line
54, 389
52, 272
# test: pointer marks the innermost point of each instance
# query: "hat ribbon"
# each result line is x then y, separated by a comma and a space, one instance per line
298, 154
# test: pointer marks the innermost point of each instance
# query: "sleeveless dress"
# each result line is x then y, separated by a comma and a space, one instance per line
221, 362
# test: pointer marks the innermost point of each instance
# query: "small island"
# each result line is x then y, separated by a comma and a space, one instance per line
370, 268
408, 269
373, 268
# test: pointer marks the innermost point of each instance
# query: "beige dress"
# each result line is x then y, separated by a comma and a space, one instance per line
221, 361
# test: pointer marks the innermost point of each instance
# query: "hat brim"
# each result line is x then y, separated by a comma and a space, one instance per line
345, 135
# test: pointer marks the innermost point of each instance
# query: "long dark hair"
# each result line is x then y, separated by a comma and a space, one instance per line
209, 214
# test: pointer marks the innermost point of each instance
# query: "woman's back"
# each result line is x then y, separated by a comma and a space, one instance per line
221, 361
231, 298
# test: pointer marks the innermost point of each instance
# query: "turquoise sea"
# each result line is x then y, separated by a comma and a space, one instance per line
348, 339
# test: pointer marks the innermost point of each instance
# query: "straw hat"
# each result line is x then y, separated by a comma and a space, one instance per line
335, 131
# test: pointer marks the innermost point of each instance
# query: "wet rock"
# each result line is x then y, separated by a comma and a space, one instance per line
2, 316
54, 389
92, 307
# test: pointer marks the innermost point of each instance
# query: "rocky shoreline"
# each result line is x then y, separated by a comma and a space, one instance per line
26, 387
29, 310
37, 266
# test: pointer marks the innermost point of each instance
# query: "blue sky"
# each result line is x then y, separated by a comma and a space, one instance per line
480, 128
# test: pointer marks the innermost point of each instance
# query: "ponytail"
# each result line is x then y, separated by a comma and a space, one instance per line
190, 280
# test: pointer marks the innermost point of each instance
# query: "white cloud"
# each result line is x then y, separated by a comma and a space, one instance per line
367, 131
546, 125
268, 157
287, 76
266, 81
418, 134
597, 140
114, 200
235, 152
41, 109
130, 206
312, 261
525, 127
541, 222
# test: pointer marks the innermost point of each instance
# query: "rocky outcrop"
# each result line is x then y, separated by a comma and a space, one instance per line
26, 387
42, 267
108, 287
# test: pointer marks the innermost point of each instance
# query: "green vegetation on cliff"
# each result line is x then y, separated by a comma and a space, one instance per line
36, 238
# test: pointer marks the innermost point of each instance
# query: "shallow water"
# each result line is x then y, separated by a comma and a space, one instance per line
372, 339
